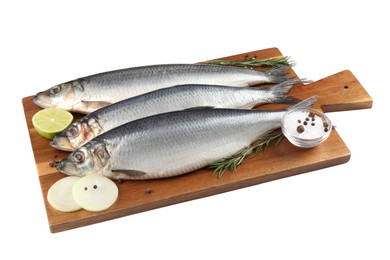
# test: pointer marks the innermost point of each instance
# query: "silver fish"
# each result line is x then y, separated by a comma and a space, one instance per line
167, 100
172, 143
87, 94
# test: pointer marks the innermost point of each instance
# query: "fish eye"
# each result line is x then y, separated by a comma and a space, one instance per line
55, 90
79, 157
72, 131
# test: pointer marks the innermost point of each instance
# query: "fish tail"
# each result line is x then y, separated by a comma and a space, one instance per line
278, 75
308, 102
279, 91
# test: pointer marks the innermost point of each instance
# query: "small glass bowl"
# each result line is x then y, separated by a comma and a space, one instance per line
306, 127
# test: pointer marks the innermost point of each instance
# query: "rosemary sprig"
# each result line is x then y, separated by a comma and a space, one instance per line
272, 62
232, 162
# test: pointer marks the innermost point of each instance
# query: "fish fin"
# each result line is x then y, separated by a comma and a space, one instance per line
200, 107
128, 173
287, 100
286, 86
278, 75
278, 91
93, 105
308, 102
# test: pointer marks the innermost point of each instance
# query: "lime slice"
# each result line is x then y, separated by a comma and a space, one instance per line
51, 121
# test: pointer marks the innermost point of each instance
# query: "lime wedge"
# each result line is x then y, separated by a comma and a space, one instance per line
51, 121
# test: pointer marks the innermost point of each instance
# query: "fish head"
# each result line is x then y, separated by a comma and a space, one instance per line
77, 134
63, 96
92, 158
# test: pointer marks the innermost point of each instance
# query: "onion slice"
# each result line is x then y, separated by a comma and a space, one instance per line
60, 194
95, 192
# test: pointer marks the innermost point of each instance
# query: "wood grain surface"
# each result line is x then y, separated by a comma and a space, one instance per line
338, 92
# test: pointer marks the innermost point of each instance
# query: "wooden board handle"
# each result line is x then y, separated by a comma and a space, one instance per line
338, 92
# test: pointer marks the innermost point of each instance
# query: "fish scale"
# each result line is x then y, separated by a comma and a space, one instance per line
167, 100
90, 93
148, 78
167, 140
173, 143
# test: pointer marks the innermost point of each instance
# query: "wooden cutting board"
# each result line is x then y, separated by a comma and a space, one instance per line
338, 92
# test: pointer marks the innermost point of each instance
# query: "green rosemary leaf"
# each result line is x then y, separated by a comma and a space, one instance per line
234, 161
280, 138
272, 62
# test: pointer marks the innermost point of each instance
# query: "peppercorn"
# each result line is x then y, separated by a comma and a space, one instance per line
300, 129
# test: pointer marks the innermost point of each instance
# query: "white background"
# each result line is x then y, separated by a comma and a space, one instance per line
340, 212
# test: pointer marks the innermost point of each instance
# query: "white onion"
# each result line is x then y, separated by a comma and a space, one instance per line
95, 192
60, 194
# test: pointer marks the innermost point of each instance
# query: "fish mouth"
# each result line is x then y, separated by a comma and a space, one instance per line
42, 99
62, 143
66, 167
